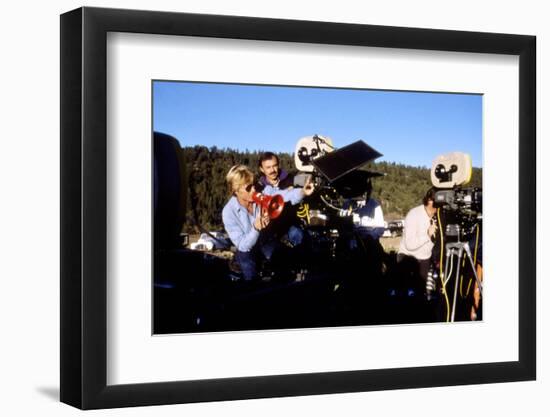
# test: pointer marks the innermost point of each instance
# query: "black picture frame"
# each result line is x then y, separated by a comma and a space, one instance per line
84, 207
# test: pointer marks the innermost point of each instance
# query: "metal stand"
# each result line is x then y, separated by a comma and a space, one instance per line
457, 250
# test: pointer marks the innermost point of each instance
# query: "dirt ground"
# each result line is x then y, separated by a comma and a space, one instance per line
390, 243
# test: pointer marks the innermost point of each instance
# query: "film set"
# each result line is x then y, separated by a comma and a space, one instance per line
307, 246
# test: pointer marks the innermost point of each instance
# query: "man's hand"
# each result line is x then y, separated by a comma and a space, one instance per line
261, 222
309, 187
432, 229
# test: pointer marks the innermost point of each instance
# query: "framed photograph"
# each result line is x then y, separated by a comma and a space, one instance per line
258, 208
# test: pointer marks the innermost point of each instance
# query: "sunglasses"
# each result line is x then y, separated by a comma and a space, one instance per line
249, 187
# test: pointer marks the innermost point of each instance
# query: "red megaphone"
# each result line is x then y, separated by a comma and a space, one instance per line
272, 204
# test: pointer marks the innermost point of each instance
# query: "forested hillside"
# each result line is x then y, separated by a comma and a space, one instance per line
398, 191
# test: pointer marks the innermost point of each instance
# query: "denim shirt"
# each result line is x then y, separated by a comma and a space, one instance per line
239, 223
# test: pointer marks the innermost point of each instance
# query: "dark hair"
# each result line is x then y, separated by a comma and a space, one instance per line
369, 187
430, 195
266, 156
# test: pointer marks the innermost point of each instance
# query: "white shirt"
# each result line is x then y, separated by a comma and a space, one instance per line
415, 241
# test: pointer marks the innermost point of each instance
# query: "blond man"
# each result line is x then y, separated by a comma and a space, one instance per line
243, 219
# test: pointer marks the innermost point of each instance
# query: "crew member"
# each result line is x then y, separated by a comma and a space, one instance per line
244, 221
415, 249
273, 180
368, 225
368, 217
272, 173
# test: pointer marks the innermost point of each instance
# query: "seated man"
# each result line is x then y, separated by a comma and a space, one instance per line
244, 221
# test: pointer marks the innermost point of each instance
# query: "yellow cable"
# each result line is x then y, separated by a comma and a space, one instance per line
304, 212
462, 276
477, 243
441, 266
469, 285
475, 249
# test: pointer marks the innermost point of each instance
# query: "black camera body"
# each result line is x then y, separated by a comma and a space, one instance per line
460, 206
466, 200
461, 210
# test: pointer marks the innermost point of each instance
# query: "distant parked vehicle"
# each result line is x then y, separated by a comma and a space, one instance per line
395, 228
210, 241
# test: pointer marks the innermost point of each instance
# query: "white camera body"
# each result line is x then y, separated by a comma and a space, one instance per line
309, 148
450, 170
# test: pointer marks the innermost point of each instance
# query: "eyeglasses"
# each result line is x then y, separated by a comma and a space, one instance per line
248, 187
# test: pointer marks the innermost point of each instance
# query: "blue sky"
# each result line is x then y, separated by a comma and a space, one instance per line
406, 127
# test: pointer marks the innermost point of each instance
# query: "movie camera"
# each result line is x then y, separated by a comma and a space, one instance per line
462, 206
337, 172
340, 179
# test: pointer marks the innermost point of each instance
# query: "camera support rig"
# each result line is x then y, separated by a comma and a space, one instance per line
456, 250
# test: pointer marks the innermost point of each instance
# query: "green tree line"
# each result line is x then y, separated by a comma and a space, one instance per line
400, 189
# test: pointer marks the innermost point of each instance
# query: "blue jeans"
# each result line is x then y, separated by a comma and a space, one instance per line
295, 235
265, 248
248, 260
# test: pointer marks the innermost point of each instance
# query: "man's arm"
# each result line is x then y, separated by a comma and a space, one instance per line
292, 195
